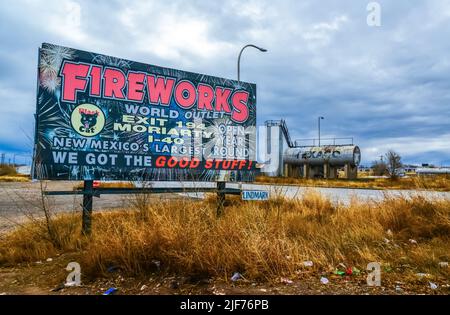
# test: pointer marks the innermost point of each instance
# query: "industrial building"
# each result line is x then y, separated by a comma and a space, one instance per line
285, 157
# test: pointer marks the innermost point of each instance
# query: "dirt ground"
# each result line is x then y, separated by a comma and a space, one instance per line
47, 277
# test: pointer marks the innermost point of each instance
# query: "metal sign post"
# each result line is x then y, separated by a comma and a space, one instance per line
87, 207
220, 198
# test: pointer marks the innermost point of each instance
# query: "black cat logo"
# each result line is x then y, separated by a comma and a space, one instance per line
88, 121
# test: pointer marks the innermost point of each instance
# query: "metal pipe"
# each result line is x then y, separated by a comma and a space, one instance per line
239, 58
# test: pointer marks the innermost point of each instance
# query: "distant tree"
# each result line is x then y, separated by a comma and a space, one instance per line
393, 164
379, 168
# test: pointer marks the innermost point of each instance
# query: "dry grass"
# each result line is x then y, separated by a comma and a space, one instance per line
7, 170
438, 183
8, 173
262, 240
15, 178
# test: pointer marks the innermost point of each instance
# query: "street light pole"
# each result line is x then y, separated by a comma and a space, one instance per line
221, 183
318, 119
239, 58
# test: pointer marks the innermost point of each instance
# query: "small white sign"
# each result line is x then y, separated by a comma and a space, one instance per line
255, 195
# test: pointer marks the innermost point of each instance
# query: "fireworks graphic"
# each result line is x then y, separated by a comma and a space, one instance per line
50, 82
111, 61
50, 61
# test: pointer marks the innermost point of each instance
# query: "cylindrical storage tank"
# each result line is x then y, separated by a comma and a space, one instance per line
334, 155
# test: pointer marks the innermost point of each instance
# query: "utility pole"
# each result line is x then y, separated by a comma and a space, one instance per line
319, 119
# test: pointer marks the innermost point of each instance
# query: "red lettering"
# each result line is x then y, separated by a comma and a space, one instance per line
96, 80
185, 95
159, 90
114, 83
241, 164
208, 164
160, 161
205, 97
240, 106
172, 162
135, 90
217, 166
74, 80
184, 162
222, 95
195, 163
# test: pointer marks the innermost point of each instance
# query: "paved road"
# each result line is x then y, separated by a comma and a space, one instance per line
21, 200
343, 195
17, 199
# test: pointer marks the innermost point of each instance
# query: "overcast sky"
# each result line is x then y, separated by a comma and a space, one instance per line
387, 86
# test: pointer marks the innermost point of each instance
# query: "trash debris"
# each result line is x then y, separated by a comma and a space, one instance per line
433, 285
110, 291
286, 281
386, 241
324, 280
49, 259
389, 232
348, 271
263, 290
288, 257
342, 265
308, 263
443, 264
420, 274
215, 291
236, 276
144, 287
38, 262
412, 241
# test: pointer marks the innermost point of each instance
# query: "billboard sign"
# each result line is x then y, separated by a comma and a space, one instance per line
104, 118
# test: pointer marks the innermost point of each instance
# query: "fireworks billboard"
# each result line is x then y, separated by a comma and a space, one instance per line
106, 118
